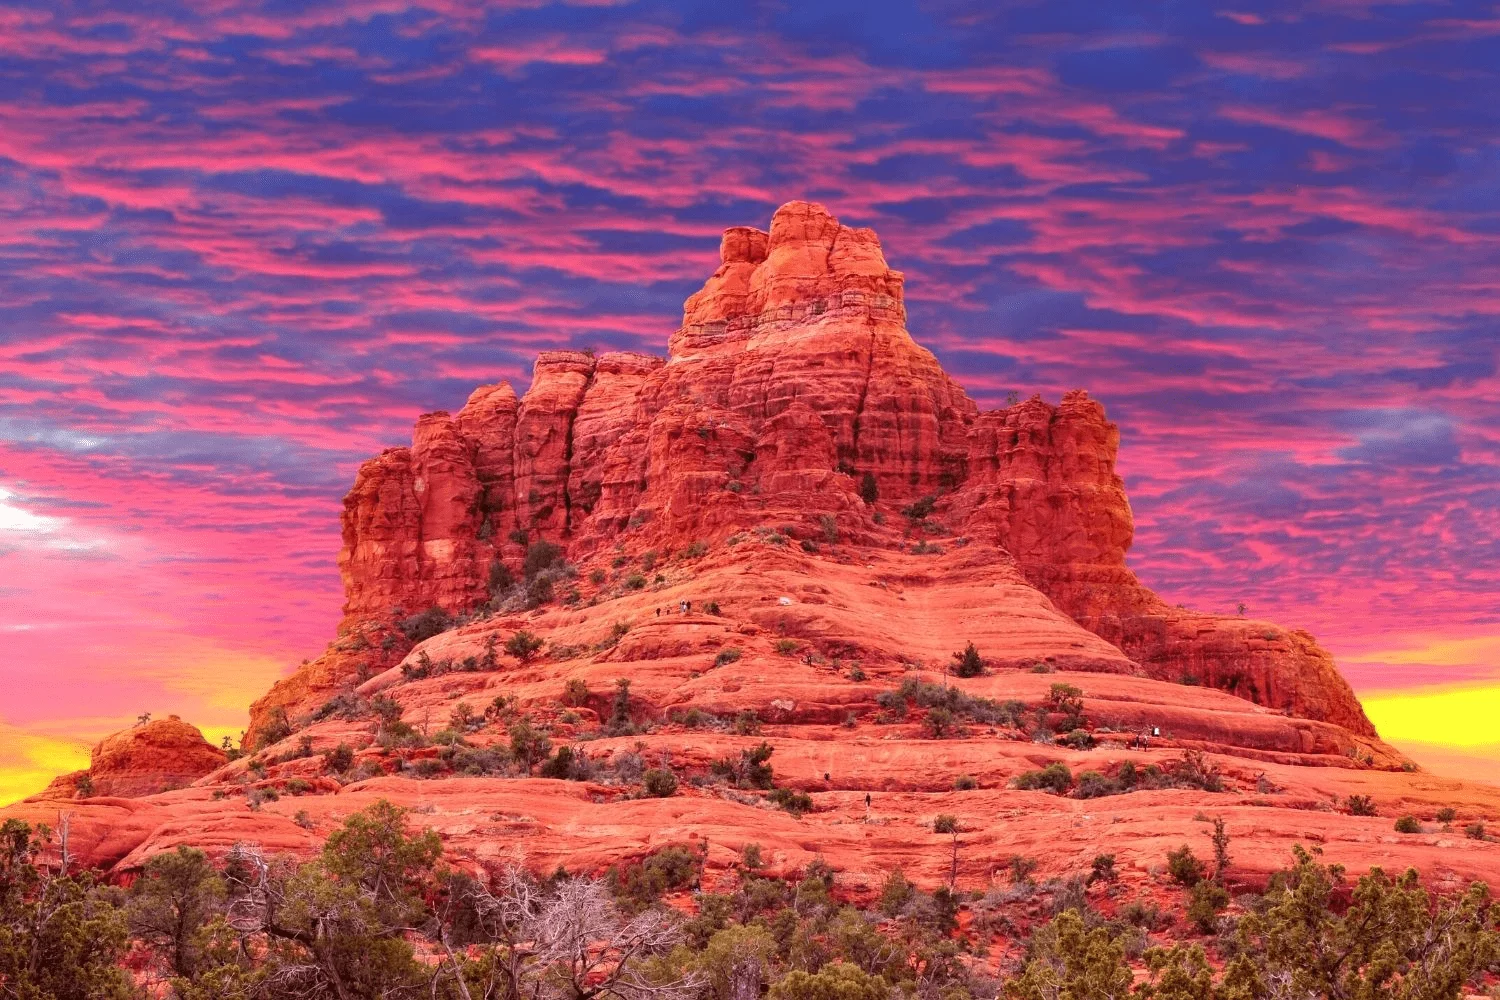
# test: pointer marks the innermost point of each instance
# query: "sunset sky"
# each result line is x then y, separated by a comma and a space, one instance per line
243, 245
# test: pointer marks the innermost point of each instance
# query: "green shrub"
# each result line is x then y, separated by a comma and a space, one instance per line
1184, 866
635, 581
540, 554
1206, 901
727, 655
539, 591
835, 981
1447, 814
524, 646
830, 526
1078, 739
1408, 824
793, 802
964, 783
501, 578
1055, 777
1474, 831
939, 723
968, 663
278, 727
298, 786
463, 718
1093, 785
920, 509
694, 550
1360, 805
751, 770
575, 692
643, 884
786, 647
659, 783
528, 745
1103, 869
425, 624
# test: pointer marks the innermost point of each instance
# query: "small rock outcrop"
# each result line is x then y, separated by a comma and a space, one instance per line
143, 760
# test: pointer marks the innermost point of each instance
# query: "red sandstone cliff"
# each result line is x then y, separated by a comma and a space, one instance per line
791, 377
732, 476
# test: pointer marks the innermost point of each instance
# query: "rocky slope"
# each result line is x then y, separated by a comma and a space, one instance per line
771, 535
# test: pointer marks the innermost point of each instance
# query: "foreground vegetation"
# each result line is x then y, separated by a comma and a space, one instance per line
377, 915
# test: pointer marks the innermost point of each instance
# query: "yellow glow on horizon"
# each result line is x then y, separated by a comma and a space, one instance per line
1455, 716
1434, 650
30, 760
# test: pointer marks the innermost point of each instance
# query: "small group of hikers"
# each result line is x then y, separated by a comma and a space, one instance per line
683, 607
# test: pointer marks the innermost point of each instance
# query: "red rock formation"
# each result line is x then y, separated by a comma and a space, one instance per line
147, 759
544, 440
729, 477
791, 378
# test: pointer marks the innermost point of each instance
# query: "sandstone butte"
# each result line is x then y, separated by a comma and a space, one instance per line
734, 474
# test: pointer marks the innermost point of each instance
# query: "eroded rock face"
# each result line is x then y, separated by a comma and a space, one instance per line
151, 758
791, 382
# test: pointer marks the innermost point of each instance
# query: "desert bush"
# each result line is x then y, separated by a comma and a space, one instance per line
524, 645
1206, 900
968, 663
939, 723
792, 801
750, 770
835, 981
1093, 785
540, 554
1408, 824
920, 509
830, 526
1185, 867
1360, 805
425, 624
575, 692
1078, 739
1055, 777
642, 884
501, 578
1022, 868
659, 783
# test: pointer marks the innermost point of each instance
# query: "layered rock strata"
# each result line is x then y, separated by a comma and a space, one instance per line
791, 386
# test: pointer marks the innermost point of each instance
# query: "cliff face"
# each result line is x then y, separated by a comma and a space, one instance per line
790, 385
